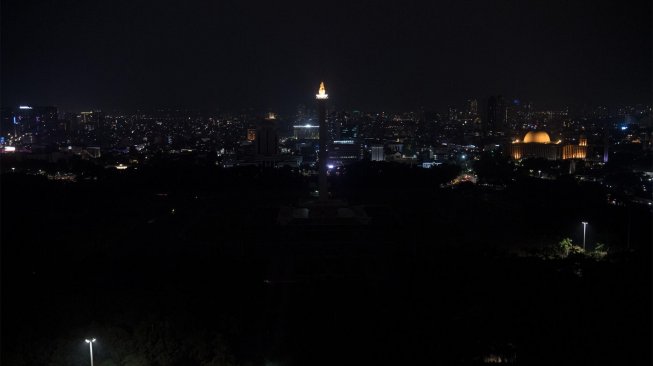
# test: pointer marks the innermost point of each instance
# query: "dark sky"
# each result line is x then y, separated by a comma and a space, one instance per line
372, 55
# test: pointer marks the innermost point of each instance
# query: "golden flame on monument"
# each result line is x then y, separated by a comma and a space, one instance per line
321, 94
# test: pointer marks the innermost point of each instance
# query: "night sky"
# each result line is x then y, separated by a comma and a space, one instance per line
231, 54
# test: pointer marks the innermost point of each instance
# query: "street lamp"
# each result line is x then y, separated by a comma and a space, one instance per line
584, 230
90, 344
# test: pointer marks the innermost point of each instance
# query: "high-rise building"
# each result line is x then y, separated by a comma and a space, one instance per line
453, 114
377, 153
516, 115
342, 126
495, 122
84, 119
251, 134
343, 152
490, 118
472, 107
267, 140
306, 132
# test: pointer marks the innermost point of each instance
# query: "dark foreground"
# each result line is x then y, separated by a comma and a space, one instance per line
439, 276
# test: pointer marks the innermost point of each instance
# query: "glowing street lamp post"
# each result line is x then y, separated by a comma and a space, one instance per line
584, 230
90, 344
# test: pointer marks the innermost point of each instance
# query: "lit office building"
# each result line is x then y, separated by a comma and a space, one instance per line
343, 152
251, 134
306, 132
377, 153
267, 141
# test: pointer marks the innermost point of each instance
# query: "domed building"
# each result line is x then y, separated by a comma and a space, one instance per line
575, 151
536, 144
539, 137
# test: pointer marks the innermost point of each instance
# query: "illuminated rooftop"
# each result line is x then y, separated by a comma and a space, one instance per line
538, 137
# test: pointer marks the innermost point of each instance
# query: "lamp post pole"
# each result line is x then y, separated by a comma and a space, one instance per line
584, 231
90, 344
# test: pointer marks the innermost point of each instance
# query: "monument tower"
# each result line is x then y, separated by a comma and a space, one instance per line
322, 97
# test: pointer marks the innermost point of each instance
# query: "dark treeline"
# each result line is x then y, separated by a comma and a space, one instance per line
183, 264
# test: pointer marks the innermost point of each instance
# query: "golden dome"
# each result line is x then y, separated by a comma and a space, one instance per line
539, 137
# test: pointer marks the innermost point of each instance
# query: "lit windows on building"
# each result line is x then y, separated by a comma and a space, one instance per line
306, 132
377, 153
251, 134
342, 152
574, 152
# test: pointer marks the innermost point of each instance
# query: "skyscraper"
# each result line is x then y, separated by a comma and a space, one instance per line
267, 141
490, 118
251, 134
453, 114
472, 107
495, 121
377, 153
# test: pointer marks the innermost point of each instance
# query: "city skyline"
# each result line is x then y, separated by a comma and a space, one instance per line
240, 183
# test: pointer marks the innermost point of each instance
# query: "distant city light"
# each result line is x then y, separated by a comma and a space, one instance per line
330, 166
10, 148
24, 107
623, 128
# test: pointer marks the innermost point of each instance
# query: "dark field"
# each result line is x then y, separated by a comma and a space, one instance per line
174, 265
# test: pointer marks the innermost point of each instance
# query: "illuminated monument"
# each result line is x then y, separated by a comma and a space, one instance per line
323, 211
322, 97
